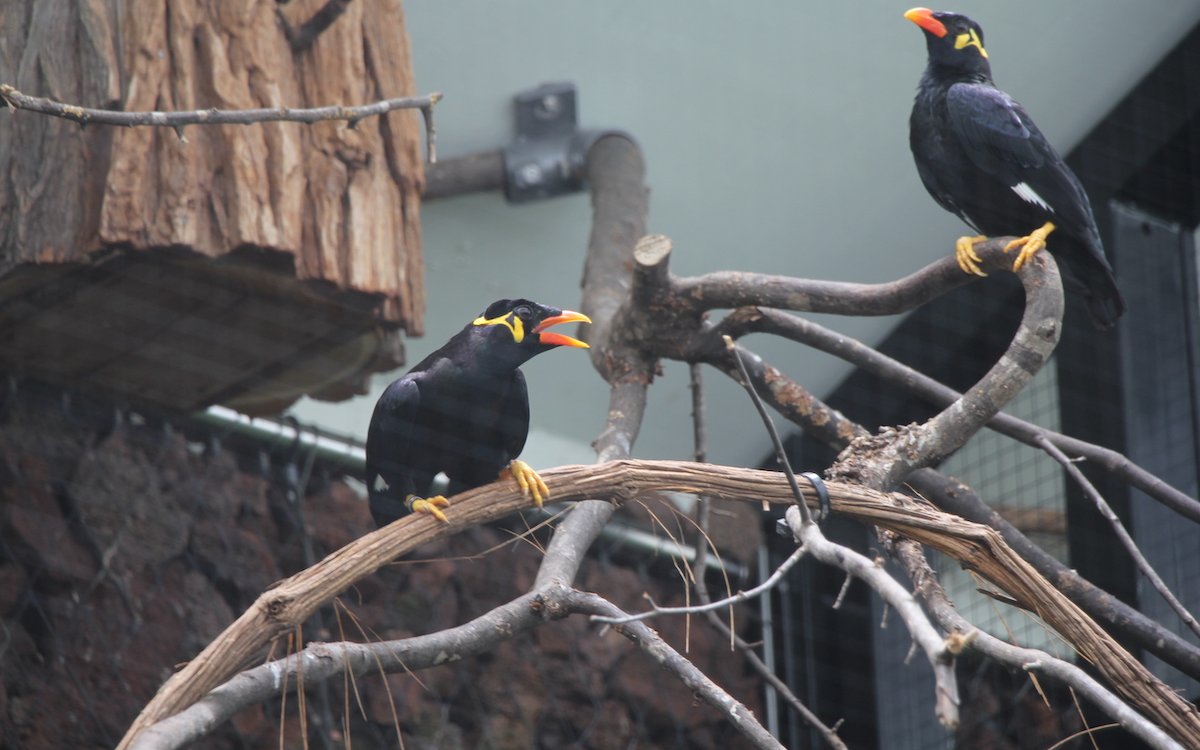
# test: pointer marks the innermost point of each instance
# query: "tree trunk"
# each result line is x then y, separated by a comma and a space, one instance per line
241, 264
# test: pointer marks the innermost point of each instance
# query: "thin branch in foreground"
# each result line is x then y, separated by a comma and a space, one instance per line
177, 120
1119, 528
940, 652
741, 596
811, 539
808, 533
780, 453
910, 556
703, 507
646, 639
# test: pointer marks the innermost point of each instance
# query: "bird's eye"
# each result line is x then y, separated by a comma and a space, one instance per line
523, 312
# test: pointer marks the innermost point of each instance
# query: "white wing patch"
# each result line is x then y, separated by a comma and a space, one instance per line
1029, 195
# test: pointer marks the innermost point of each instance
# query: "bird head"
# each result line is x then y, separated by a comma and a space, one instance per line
953, 40
518, 327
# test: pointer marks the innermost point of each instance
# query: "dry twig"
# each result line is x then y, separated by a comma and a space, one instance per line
177, 120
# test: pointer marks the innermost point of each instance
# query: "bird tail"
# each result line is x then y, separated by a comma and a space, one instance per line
1104, 300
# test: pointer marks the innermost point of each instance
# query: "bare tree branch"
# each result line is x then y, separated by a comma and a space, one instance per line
619, 208
1033, 344
762, 320
703, 507
881, 461
956, 497
1031, 660
649, 641
741, 596
323, 661
731, 289
177, 120
831, 427
808, 534
980, 548
939, 652
1122, 534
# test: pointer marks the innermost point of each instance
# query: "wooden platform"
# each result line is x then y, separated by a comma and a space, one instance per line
176, 331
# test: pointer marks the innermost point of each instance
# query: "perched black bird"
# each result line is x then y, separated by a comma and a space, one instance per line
983, 158
463, 410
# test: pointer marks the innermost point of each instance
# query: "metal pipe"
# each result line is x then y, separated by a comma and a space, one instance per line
350, 455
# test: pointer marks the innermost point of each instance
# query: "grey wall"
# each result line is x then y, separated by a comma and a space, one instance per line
775, 135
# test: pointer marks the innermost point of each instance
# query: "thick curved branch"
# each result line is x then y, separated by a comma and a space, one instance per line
978, 547
177, 120
762, 320
881, 461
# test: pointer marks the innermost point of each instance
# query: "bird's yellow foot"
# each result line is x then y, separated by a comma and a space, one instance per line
531, 484
1030, 244
431, 505
968, 259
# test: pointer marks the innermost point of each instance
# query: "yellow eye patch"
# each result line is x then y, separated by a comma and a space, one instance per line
969, 39
509, 321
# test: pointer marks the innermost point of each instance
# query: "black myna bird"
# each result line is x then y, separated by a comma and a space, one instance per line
463, 410
982, 157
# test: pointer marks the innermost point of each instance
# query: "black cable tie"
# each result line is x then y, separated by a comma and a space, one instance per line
818, 484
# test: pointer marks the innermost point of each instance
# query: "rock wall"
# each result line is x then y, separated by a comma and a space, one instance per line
127, 542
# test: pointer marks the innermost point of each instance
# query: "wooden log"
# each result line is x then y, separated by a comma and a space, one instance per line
235, 224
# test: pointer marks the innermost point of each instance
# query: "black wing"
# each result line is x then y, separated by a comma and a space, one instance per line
1001, 139
389, 448
516, 416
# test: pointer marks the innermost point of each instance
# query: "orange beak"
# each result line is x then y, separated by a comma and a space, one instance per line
558, 339
923, 17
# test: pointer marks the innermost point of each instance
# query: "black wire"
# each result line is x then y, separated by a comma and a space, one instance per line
805, 515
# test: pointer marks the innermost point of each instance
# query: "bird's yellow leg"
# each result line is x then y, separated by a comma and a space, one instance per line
968, 259
531, 484
1030, 244
431, 505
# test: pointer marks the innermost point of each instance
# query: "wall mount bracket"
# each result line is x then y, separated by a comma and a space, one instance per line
549, 154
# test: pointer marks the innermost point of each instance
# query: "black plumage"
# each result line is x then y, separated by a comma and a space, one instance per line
463, 410
981, 156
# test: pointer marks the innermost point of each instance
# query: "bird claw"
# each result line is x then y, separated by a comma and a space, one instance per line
431, 505
968, 259
530, 483
1030, 244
